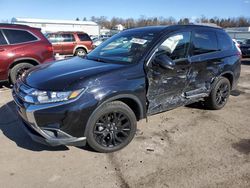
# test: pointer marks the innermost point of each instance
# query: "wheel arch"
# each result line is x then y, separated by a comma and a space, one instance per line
24, 60
131, 100
80, 47
230, 76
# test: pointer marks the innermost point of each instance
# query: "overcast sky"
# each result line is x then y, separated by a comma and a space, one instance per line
70, 9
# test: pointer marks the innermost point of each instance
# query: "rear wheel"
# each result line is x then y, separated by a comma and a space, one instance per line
219, 94
80, 52
111, 127
17, 71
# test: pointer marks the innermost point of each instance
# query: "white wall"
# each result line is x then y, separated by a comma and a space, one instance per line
53, 27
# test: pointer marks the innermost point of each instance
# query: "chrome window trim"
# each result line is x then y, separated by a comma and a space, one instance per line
8, 43
37, 38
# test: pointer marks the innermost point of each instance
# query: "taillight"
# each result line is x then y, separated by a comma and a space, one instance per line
50, 48
239, 54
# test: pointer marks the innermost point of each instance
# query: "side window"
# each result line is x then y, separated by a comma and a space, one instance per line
176, 46
225, 42
247, 41
204, 42
18, 36
68, 38
84, 37
53, 38
2, 39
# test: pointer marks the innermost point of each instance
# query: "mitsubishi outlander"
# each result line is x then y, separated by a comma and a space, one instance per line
97, 100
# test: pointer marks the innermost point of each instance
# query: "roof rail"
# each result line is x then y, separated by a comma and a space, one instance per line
10, 24
206, 24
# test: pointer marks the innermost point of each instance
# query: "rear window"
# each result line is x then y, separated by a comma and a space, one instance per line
204, 42
84, 37
2, 39
18, 36
225, 42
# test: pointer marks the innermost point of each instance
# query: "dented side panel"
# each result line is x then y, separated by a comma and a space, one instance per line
166, 86
168, 89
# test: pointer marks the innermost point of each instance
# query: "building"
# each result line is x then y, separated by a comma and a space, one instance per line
104, 32
239, 33
48, 25
119, 27
239, 29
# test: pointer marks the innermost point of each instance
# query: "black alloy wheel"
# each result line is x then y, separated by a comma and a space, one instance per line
111, 127
219, 94
222, 94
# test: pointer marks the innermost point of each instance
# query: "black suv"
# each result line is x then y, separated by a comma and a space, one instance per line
136, 73
245, 48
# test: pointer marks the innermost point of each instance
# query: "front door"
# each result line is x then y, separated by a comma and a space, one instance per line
56, 40
166, 86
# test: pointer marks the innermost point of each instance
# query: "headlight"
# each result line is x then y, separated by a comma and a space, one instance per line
42, 97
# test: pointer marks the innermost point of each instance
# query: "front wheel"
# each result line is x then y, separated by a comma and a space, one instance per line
219, 94
111, 127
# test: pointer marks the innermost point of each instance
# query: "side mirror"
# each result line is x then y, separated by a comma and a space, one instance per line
164, 61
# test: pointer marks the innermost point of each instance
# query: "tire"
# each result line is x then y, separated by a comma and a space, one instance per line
219, 94
80, 52
112, 120
17, 71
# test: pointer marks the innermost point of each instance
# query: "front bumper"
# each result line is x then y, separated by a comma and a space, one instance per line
45, 134
52, 139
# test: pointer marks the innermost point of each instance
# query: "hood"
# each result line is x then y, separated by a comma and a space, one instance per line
65, 74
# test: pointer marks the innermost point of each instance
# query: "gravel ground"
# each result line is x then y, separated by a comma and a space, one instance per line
185, 147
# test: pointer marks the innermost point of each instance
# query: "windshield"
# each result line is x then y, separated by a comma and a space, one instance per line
126, 47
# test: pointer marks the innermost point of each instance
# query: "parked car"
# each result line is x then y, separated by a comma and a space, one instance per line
136, 73
237, 44
245, 48
21, 47
70, 43
97, 42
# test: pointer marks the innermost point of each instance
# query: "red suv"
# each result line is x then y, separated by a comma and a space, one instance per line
70, 43
21, 47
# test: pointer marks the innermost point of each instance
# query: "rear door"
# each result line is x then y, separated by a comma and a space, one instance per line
205, 59
68, 43
3, 56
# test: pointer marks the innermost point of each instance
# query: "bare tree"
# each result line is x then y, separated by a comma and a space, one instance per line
148, 21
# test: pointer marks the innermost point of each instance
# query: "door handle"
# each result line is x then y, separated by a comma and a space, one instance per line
2, 49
